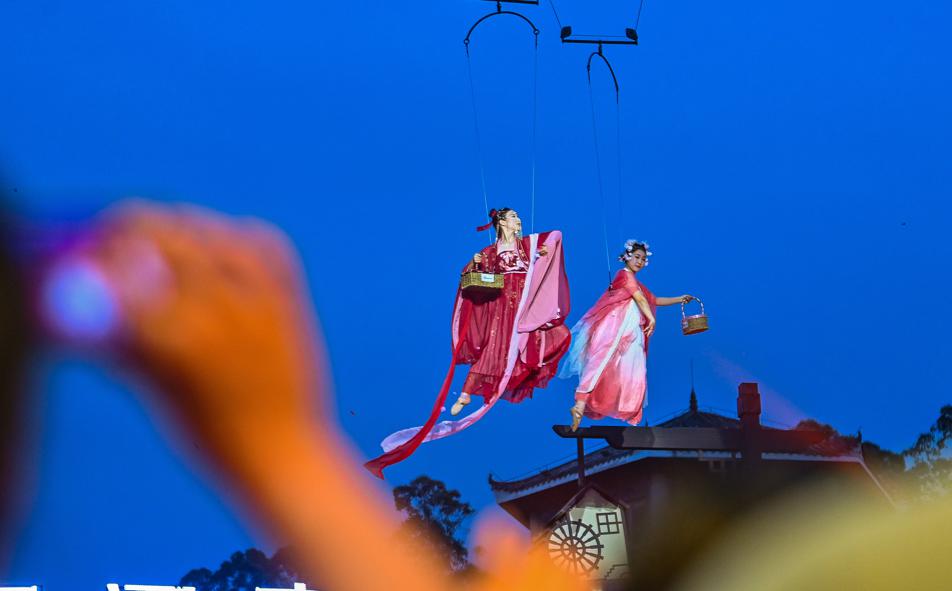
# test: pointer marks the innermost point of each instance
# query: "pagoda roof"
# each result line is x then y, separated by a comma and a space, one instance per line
833, 448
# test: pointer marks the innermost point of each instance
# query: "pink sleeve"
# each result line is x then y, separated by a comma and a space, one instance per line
547, 303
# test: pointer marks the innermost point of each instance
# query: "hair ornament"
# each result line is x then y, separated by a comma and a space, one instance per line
492, 219
631, 245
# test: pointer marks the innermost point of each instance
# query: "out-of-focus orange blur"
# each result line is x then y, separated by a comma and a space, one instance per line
227, 336
817, 539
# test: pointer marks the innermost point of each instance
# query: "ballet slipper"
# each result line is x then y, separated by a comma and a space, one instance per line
459, 404
577, 414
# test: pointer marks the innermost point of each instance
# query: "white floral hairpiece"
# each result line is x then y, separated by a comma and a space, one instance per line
631, 245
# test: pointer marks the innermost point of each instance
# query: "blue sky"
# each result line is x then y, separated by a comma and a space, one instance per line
787, 161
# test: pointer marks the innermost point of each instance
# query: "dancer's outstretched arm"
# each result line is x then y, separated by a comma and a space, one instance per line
684, 299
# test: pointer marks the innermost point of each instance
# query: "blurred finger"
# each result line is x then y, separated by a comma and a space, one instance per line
274, 251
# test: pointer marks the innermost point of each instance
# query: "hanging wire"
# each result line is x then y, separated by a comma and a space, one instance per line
556, 13
535, 108
598, 159
641, 5
619, 224
598, 172
479, 142
472, 94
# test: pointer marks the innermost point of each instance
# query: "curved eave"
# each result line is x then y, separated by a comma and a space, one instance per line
517, 491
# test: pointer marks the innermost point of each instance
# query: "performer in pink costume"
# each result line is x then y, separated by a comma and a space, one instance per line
513, 340
610, 344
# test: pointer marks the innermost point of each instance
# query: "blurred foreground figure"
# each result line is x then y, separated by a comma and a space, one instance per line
223, 328
15, 341
213, 313
815, 541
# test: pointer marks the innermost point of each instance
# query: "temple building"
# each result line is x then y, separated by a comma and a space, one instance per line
641, 508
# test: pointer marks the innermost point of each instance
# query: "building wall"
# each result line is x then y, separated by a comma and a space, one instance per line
676, 508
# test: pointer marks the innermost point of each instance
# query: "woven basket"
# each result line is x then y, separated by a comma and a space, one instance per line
477, 282
696, 323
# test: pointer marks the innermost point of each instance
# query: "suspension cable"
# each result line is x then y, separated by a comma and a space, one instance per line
535, 116
598, 159
619, 235
472, 94
479, 143
601, 190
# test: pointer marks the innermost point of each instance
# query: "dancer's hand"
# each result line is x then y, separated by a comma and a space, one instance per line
478, 258
686, 299
649, 328
225, 334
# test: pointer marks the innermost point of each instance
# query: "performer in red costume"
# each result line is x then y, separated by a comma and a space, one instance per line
486, 344
513, 340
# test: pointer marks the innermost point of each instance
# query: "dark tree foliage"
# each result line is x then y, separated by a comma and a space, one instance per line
812, 425
434, 516
921, 473
889, 468
243, 572
834, 439
930, 457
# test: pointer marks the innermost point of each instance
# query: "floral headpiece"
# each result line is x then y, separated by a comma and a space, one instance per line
631, 246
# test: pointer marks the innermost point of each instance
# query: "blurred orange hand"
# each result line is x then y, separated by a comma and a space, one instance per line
514, 564
213, 313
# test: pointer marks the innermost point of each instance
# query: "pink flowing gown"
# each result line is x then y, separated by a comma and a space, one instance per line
609, 353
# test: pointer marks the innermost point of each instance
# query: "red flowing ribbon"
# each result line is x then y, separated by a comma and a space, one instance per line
492, 218
403, 451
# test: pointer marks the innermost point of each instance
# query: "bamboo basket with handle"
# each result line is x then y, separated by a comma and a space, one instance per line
696, 323
476, 282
